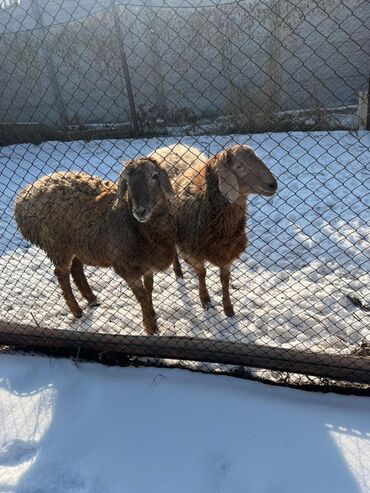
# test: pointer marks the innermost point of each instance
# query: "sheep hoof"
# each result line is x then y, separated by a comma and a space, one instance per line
78, 314
207, 304
229, 312
94, 303
151, 328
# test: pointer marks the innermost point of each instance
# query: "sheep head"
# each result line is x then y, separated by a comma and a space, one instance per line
241, 172
147, 185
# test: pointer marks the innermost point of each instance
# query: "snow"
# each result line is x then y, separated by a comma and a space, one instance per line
92, 429
308, 246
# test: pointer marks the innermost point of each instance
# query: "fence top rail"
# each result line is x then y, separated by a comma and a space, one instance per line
351, 368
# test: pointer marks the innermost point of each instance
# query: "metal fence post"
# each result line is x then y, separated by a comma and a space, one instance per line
46, 55
272, 91
156, 59
126, 73
368, 105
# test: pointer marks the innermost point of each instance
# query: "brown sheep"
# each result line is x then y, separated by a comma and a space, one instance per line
210, 207
78, 219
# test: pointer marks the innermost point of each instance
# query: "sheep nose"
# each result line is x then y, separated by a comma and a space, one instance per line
141, 211
141, 214
272, 186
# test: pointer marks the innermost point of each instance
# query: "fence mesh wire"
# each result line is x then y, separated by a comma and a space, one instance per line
252, 90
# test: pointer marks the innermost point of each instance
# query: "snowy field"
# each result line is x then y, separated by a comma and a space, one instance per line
93, 429
309, 246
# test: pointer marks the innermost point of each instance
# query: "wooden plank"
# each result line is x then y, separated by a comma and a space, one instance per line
351, 368
362, 110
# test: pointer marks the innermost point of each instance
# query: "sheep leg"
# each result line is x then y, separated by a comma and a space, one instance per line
63, 276
79, 278
147, 309
148, 284
200, 269
177, 267
137, 287
225, 282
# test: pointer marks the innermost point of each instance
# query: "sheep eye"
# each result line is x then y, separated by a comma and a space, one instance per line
155, 175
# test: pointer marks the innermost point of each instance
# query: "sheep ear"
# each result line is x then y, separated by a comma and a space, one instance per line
122, 186
227, 180
165, 184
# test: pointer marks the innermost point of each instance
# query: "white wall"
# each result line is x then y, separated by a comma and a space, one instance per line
282, 55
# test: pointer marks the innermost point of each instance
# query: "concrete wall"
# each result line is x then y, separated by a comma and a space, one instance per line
207, 60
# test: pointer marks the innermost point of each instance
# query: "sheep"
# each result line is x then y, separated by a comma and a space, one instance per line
210, 207
78, 220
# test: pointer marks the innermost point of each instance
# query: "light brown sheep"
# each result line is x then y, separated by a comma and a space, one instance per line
79, 219
210, 207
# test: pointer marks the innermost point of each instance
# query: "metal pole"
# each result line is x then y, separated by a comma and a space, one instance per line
126, 73
52, 74
273, 89
368, 105
157, 73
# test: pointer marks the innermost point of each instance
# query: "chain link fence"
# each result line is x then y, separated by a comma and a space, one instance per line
230, 100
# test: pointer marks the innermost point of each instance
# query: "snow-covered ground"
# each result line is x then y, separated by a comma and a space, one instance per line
309, 246
93, 429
